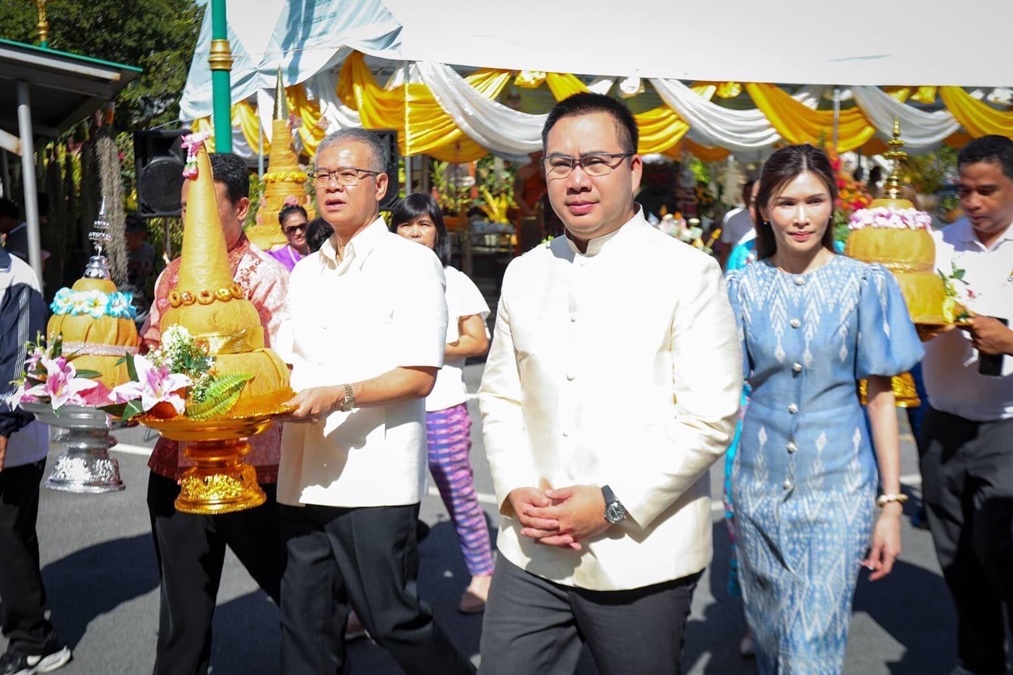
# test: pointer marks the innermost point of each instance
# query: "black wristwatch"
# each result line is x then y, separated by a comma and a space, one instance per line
614, 511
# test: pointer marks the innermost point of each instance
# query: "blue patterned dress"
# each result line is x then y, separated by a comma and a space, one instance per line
804, 479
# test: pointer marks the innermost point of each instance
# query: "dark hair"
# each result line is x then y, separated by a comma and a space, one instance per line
376, 147
876, 174
586, 103
747, 192
317, 232
132, 223
288, 210
230, 170
415, 206
9, 209
781, 168
993, 148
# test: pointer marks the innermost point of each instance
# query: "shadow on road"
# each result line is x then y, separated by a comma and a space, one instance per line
96, 580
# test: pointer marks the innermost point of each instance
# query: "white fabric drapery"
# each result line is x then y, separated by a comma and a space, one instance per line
920, 130
491, 124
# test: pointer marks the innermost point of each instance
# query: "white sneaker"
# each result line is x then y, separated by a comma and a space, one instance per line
32, 664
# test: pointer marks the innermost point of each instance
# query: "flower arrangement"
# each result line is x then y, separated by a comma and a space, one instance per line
51, 378
851, 196
94, 303
177, 378
957, 291
689, 232
883, 217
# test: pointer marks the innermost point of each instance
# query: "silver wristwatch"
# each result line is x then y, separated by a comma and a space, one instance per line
614, 511
348, 402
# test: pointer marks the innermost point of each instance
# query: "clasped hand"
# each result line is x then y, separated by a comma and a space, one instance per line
563, 517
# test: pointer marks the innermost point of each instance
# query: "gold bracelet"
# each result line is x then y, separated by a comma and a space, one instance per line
885, 499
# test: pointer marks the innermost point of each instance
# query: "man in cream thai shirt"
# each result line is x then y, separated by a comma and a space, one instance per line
967, 435
368, 329
611, 387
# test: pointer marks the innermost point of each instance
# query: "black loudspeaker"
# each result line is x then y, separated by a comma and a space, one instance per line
389, 139
159, 159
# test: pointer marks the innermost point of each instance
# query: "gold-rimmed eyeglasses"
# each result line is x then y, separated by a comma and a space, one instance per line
345, 175
593, 163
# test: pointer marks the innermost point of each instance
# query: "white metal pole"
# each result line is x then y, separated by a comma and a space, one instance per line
28, 178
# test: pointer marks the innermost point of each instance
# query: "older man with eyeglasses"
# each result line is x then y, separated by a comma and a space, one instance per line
611, 387
366, 344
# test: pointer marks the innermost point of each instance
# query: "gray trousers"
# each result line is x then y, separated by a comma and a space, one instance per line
534, 626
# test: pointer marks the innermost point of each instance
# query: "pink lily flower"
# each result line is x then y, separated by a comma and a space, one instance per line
62, 386
156, 384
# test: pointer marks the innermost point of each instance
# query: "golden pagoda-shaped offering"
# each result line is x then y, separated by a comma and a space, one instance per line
215, 311
284, 183
893, 233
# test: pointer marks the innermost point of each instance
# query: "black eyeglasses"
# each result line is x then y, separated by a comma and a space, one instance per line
593, 163
345, 175
296, 228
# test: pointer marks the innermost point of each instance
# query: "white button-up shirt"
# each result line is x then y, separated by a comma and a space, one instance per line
950, 366
381, 306
618, 367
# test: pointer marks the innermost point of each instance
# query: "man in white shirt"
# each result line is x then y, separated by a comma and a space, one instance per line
368, 330
967, 435
611, 387
32, 643
736, 224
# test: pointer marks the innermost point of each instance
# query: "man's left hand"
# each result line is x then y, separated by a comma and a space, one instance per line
580, 512
314, 404
989, 336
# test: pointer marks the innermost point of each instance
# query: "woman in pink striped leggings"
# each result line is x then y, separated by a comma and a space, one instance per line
448, 425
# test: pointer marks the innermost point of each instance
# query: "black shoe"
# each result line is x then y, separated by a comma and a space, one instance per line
31, 664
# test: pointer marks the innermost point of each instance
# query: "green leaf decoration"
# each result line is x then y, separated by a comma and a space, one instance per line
221, 395
130, 409
90, 374
131, 369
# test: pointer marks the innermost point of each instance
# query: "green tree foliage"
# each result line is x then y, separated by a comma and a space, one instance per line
157, 35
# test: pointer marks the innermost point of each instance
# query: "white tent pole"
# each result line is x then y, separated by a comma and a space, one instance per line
28, 178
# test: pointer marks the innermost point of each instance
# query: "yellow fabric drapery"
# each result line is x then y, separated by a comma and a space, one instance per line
413, 110
800, 124
977, 118
310, 132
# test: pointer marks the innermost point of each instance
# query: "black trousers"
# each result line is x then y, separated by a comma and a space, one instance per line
191, 553
363, 557
21, 591
967, 474
535, 626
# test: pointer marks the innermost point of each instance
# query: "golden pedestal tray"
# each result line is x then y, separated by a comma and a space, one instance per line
904, 392
219, 482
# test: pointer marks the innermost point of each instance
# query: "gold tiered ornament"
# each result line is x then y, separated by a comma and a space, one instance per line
284, 182
249, 383
896, 235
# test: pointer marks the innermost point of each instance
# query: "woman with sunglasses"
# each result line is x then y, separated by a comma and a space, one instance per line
294, 221
448, 425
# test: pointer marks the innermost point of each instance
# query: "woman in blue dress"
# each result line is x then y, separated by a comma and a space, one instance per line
805, 477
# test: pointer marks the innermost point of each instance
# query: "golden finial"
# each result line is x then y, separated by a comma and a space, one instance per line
42, 26
280, 101
894, 182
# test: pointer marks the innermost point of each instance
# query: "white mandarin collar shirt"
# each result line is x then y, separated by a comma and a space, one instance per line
950, 367
380, 307
620, 367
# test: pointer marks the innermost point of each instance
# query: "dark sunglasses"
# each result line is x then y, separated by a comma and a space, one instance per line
296, 228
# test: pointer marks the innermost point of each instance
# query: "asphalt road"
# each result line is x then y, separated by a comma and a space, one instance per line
99, 568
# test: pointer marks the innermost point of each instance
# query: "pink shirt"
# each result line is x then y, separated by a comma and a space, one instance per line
266, 284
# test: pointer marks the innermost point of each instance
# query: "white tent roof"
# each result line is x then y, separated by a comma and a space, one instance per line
891, 42
901, 42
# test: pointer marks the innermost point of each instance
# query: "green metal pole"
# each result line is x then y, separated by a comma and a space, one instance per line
220, 60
